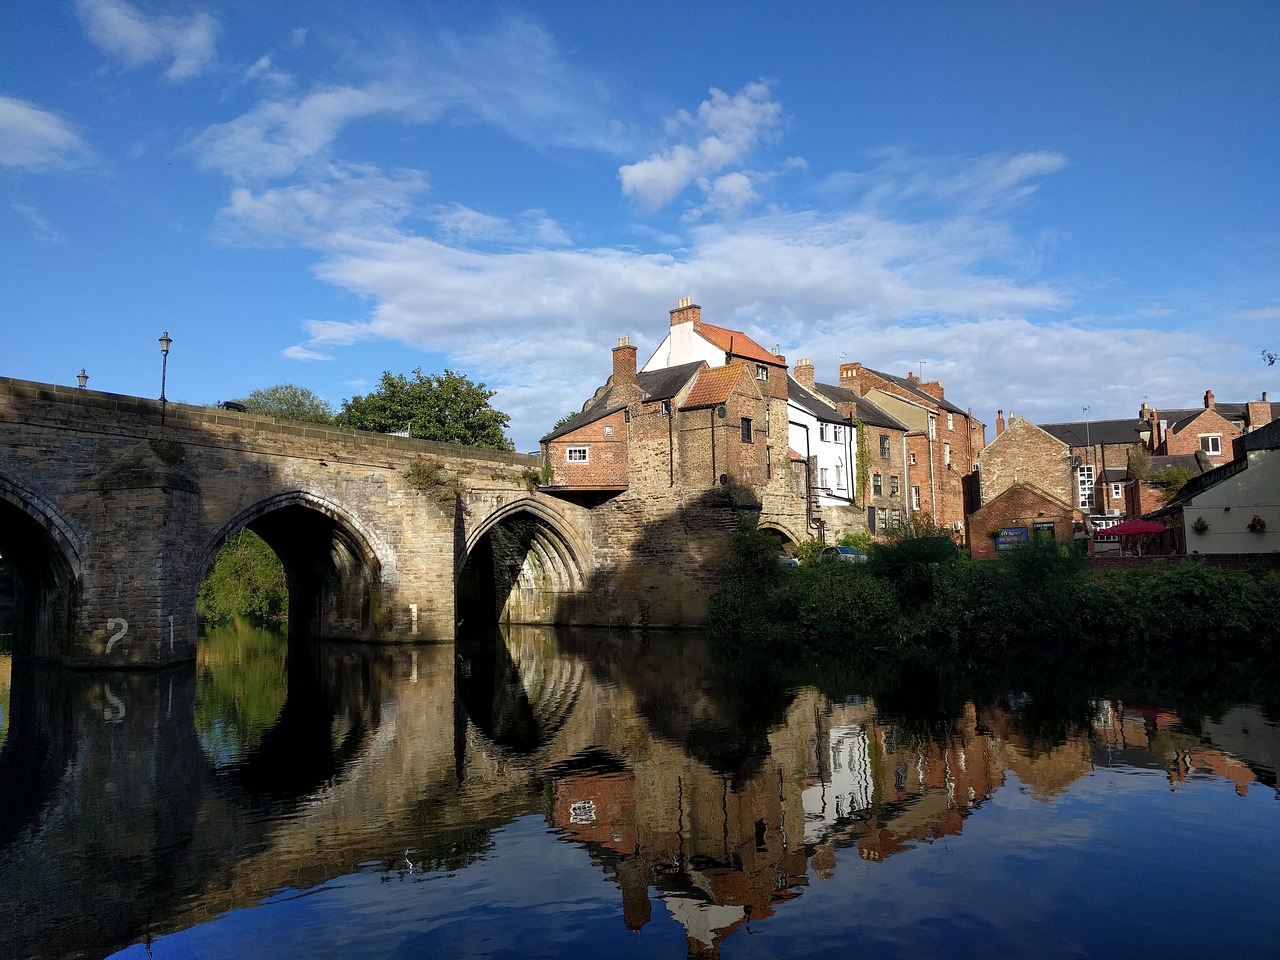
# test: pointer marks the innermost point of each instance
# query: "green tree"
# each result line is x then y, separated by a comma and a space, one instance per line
246, 580
447, 407
289, 402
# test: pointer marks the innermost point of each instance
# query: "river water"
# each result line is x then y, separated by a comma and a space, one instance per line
549, 793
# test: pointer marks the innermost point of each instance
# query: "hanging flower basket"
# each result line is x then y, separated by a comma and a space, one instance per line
1256, 524
1199, 524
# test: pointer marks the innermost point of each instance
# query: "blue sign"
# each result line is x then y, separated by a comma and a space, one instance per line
1010, 537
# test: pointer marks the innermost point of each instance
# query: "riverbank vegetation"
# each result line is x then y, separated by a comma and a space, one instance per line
245, 580
919, 604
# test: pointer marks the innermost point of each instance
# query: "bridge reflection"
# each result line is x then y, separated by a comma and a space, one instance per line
684, 787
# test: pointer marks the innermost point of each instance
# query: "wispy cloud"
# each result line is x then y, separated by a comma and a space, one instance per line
725, 129
125, 32
36, 140
41, 228
300, 352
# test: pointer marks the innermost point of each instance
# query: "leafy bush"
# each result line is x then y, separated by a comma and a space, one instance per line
245, 580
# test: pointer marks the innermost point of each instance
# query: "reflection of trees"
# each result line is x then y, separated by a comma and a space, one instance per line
241, 683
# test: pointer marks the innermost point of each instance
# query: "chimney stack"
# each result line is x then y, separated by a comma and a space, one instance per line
804, 373
1257, 413
686, 312
1208, 399
933, 388
849, 377
999, 422
624, 363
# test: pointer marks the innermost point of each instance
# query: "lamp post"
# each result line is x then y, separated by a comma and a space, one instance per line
165, 342
82, 378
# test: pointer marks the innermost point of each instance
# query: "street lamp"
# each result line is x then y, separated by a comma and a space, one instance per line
82, 378
165, 342
1088, 442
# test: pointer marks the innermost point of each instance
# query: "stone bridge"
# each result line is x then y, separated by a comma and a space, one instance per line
113, 508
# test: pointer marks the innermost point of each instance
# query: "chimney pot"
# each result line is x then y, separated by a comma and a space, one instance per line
999, 422
686, 311
624, 363
804, 373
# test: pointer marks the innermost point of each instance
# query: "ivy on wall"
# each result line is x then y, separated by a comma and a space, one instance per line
863, 461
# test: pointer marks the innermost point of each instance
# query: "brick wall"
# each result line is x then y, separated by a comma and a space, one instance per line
1018, 506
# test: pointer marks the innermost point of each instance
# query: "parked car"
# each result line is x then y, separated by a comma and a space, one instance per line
842, 555
788, 561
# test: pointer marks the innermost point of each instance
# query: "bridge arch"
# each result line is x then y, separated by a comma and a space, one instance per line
47, 560
521, 564
333, 563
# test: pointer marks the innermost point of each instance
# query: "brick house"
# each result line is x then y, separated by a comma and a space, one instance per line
689, 426
1020, 513
1100, 460
1024, 452
1142, 496
883, 439
943, 440
817, 430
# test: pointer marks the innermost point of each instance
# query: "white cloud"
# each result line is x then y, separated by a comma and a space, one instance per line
277, 137
726, 129
300, 352
136, 39
41, 228
37, 140
341, 201
460, 225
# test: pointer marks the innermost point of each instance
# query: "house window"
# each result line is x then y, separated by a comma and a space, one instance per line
877, 486
608, 429
946, 453
822, 478
933, 427
838, 433
883, 516
915, 499
951, 424
762, 372
893, 486
768, 455
1117, 491
746, 429
768, 425
576, 454
822, 431
666, 408
884, 446
895, 517
839, 485
1084, 486
912, 459
1211, 443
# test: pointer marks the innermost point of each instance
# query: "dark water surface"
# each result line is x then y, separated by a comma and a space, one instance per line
550, 793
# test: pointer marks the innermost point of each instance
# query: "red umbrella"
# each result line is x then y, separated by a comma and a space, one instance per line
1129, 528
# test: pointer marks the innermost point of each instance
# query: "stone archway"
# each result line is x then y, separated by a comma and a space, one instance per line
332, 564
523, 564
45, 560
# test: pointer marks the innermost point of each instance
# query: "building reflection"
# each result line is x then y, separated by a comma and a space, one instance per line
703, 801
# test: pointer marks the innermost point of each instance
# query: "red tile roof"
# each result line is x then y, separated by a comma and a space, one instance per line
713, 386
739, 344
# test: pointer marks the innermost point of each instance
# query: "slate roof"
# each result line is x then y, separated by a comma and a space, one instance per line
865, 410
657, 385
1097, 432
913, 387
665, 383
805, 400
738, 343
1178, 419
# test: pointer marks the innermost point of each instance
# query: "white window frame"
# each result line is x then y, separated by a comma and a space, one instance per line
762, 372
1117, 491
894, 487
822, 431
915, 499
608, 429
1211, 443
933, 427
1084, 486
885, 449
951, 424
877, 485
837, 433
946, 453
570, 458
822, 478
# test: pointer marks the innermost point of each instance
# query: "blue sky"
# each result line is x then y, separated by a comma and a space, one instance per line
1047, 205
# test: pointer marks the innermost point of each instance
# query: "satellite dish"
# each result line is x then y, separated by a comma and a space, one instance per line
1076, 461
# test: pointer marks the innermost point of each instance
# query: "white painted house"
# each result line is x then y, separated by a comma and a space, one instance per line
1235, 506
821, 435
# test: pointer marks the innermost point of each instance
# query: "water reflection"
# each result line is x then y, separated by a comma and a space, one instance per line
137, 805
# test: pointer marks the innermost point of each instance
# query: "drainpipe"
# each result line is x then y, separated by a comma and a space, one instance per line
810, 523
714, 475
671, 449
906, 480
933, 486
